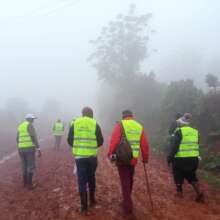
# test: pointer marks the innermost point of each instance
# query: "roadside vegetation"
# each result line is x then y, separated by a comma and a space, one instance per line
120, 52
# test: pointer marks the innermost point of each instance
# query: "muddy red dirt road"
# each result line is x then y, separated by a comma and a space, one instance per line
56, 197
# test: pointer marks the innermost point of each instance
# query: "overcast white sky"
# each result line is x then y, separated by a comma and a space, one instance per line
44, 44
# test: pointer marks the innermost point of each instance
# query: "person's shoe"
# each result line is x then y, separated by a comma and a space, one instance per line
92, 200
129, 216
200, 198
84, 203
30, 185
25, 180
83, 212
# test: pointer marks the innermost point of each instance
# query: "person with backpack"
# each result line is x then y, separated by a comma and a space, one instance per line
170, 139
127, 141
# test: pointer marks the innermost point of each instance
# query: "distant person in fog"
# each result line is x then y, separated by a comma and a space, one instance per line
58, 132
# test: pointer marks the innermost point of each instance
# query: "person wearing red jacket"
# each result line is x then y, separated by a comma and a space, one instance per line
126, 172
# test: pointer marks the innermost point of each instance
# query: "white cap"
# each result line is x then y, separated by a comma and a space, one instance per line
30, 116
183, 121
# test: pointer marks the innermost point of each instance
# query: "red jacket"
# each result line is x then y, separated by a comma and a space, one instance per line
115, 140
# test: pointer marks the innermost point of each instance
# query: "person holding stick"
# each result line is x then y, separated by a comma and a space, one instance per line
128, 139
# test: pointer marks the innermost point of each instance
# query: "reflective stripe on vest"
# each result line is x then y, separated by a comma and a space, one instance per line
58, 129
133, 131
24, 138
85, 142
189, 146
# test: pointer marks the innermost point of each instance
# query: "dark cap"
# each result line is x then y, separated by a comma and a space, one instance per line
87, 111
127, 113
178, 115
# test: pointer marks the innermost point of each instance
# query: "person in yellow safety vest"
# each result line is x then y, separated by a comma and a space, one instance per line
139, 144
84, 138
58, 132
184, 156
27, 144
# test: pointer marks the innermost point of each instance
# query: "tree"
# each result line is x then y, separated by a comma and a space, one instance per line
212, 81
182, 96
121, 48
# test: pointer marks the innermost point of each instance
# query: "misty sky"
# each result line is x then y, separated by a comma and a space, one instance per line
44, 45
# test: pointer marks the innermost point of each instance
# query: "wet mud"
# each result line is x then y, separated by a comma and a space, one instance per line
56, 197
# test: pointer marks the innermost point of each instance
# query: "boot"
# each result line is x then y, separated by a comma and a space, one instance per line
25, 180
92, 201
29, 182
84, 203
179, 191
200, 196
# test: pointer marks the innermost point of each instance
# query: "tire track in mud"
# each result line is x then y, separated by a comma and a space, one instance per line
56, 196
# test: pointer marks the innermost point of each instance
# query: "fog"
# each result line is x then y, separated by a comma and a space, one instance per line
45, 45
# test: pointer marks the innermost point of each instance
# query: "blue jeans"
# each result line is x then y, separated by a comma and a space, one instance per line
27, 161
86, 168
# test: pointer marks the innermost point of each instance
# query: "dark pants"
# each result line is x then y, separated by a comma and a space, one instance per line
184, 168
86, 168
27, 161
57, 141
126, 174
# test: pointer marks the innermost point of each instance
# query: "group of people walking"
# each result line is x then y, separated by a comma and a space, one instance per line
128, 141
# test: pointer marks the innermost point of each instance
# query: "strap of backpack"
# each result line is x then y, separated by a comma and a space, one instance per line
123, 130
123, 135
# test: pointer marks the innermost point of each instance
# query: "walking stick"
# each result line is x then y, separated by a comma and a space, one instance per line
148, 187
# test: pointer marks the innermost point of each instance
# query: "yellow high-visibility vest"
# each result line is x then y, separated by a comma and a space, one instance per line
58, 129
85, 141
189, 146
133, 131
24, 138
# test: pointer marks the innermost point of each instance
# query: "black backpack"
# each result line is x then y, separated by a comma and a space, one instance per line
123, 150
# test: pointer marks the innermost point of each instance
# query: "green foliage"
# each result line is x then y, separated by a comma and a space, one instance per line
181, 96
119, 52
209, 117
210, 160
213, 136
210, 178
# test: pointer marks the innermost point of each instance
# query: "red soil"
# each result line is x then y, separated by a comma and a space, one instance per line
56, 197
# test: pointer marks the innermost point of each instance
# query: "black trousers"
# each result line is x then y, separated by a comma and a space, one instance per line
185, 168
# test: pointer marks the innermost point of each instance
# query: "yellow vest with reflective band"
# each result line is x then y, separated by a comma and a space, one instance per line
133, 131
24, 138
189, 146
58, 129
85, 142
